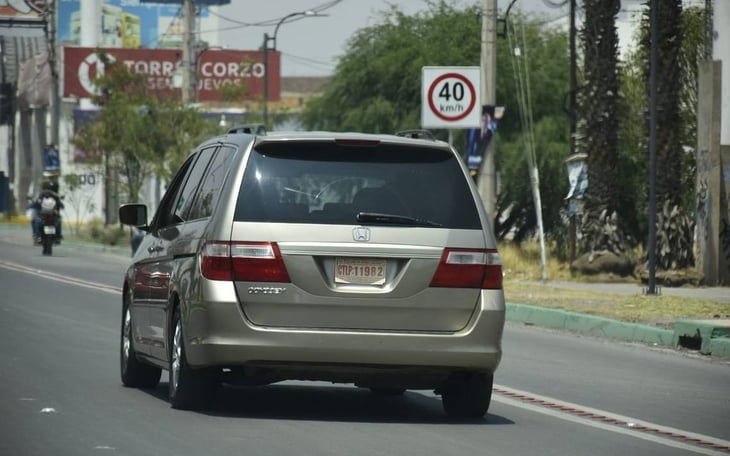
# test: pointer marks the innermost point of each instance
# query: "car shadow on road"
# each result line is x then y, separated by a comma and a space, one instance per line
324, 402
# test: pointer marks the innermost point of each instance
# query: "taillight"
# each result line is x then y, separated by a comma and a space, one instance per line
215, 261
357, 142
469, 268
243, 261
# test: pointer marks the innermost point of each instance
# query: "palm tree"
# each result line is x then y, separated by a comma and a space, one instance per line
674, 227
600, 225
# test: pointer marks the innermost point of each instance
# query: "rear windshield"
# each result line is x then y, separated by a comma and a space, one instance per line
329, 183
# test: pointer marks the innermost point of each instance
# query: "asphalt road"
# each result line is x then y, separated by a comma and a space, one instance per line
556, 394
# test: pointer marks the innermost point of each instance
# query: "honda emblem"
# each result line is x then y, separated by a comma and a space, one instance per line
361, 234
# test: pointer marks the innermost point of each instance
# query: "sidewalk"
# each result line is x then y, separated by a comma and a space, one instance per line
709, 337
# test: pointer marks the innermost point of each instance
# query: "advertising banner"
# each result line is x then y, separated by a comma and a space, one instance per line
477, 139
23, 8
34, 82
215, 69
125, 23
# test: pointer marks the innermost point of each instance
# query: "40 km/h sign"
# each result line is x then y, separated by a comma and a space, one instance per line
450, 97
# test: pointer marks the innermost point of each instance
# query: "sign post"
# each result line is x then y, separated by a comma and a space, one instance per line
450, 97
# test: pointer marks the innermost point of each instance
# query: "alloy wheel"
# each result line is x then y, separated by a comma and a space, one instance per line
126, 338
176, 355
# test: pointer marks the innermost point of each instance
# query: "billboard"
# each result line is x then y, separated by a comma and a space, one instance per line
126, 23
180, 2
23, 8
216, 68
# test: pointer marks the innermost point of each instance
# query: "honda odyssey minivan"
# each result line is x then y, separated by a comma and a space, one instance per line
350, 258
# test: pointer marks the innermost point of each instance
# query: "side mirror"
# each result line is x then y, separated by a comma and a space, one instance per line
133, 214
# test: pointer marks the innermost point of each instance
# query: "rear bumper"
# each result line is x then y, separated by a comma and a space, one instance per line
218, 334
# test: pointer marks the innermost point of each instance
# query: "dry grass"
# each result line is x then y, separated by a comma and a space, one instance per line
522, 262
523, 285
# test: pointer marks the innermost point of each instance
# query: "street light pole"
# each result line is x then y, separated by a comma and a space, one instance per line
267, 38
272, 39
189, 88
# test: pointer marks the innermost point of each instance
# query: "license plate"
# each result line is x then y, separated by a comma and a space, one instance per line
49, 229
366, 271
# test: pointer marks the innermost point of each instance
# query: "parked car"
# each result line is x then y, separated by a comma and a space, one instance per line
350, 258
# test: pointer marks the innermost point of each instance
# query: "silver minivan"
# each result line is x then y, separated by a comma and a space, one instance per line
350, 258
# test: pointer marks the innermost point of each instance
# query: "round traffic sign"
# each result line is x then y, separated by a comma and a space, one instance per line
451, 97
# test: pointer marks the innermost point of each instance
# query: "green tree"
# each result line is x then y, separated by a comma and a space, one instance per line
77, 196
137, 132
633, 129
538, 56
680, 49
376, 87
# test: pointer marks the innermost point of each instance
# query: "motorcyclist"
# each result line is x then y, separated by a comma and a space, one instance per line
48, 190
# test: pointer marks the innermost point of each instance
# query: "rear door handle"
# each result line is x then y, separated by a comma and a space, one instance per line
154, 248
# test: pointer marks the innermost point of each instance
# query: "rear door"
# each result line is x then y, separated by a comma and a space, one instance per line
172, 216
361, 230
149, 284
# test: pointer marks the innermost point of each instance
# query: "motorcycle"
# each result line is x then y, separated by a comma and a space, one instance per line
48, 216
48, 232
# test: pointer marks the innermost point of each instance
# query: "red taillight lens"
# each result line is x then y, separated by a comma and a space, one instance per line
215, 261
469, 268
243, 261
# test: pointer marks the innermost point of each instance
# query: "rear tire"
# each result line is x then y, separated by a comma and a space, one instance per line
47, 245
467, 396
134, 373
189, 388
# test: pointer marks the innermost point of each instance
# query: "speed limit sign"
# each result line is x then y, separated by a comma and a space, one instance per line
450, 97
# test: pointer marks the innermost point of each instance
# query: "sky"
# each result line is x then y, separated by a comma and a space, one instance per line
311, 45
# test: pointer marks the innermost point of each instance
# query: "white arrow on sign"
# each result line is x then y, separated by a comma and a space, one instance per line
450, 97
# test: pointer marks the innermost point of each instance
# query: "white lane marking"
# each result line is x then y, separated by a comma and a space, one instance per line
60, 278
699, 443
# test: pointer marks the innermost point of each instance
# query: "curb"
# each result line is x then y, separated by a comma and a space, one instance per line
715, 342
709, 336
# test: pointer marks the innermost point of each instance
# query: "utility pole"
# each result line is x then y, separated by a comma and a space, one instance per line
189, 69
651, 249
51, 14
573, 235
487, 180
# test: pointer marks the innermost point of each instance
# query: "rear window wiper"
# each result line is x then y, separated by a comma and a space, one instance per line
377, 217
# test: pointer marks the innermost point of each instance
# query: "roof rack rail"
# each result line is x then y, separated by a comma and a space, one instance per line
251, 129
417, 134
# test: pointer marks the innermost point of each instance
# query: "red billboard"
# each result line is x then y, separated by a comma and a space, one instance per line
215, 69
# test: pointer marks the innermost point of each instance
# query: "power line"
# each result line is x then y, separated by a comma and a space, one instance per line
269, 22
310, 62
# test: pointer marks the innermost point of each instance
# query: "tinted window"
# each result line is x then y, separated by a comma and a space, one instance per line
331, 183
164, 215
185, 198
209, 190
